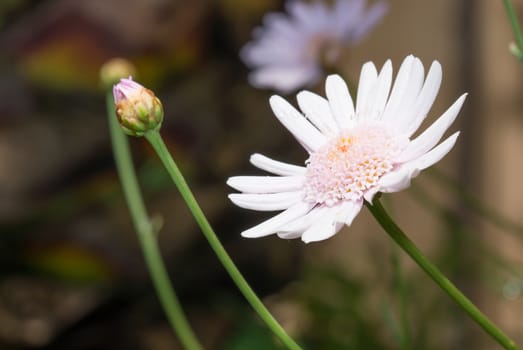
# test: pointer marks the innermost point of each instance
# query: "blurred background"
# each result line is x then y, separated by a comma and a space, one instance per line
72, 275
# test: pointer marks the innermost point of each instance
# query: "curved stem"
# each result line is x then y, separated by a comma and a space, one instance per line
146, 233
159, 146
515, 28
410, 248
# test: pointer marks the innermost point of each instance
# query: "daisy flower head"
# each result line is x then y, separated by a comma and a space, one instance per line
355, 150
288, 51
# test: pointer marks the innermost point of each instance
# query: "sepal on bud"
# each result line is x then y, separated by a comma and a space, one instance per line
137, 108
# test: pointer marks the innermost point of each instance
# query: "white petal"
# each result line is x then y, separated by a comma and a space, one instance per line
325, 227
400, 179
406, 107
266, 201
431, 136
397, 180
398, 90
273, 224
369, 195
304, 222
349, 211
289, 234
436, 154
330, 221
317, 110
266, 184
284, 78
426, 98
273, 166
296, 227
296, 123
340, 101
377, 97
368, 77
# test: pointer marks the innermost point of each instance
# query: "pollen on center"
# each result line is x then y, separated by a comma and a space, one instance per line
351, 164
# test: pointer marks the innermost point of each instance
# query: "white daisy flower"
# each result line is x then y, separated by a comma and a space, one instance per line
287, 53
354, 151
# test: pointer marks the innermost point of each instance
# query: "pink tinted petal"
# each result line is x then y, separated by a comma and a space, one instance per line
348, 211
118, 94
331, 221
126, 88
426, 98
400, 179
295, 122
301, 224
406, 107
265, 201
369, 195
340, 101
276, 167
273, 224
266, 184
317, 110
436, 154
325, 227
368, 78
289, 234
431, 136
375, 105
398, 90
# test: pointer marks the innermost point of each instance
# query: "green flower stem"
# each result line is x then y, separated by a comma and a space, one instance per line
159, 146
515, 28
410, 248
146, 233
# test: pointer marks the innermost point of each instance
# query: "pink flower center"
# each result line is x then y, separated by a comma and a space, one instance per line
351, 164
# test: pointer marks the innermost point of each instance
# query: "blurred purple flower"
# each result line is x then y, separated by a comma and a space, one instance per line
288, 51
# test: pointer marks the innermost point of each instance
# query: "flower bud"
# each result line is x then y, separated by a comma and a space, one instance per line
115, 69
137, 108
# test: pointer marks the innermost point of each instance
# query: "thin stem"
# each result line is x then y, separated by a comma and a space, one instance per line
146, 233
159, 146
410, 248
515, 28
